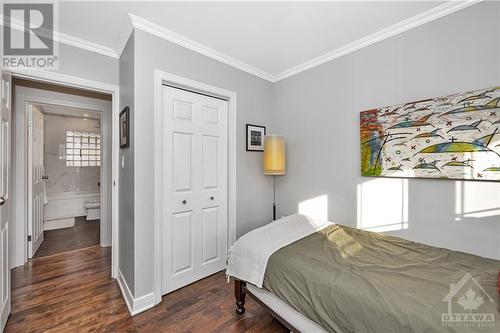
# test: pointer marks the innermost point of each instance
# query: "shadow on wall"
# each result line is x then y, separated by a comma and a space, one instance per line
382, 204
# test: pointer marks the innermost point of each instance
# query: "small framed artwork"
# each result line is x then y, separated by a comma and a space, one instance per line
125, 128
255, 137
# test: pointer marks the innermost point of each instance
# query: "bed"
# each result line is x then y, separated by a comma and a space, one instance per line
316, 276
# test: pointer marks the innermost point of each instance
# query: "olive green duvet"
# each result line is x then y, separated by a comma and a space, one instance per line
349, 280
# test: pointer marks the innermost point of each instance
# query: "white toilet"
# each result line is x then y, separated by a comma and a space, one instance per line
93, 208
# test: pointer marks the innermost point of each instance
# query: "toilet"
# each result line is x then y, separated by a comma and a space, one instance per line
93, 208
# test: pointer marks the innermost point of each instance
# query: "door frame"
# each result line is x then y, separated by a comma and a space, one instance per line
6, 101
113, 90
24, 101
164, 78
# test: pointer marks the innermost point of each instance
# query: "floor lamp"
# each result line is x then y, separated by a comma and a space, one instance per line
274, 161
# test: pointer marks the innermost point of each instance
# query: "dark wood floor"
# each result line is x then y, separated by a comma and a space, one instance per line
83, 234
73, 292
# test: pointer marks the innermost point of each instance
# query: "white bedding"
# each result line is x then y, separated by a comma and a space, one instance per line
247, 259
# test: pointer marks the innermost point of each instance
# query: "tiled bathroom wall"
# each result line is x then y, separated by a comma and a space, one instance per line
64, 178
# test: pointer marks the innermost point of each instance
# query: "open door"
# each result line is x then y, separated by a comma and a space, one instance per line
5, 112
36, 179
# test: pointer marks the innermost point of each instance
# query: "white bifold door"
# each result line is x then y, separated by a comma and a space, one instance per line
36, 179
194, 187
5, 115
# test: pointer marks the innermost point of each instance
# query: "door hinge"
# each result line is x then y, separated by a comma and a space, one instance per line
29, 238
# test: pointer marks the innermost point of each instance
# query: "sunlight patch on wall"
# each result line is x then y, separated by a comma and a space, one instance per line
316, 208
383, 204
476, 200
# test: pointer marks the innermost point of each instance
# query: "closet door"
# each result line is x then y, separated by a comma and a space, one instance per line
195, 187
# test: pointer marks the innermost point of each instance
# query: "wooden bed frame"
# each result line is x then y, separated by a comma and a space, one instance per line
240, 293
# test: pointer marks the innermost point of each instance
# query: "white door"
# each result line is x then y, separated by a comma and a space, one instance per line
4, 197
36, 173
195, 187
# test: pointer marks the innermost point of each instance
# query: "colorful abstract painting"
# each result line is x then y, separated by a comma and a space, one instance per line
453, 137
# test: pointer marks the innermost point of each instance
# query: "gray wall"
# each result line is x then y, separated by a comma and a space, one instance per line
126, 176
318, 112
88, 65
254, 191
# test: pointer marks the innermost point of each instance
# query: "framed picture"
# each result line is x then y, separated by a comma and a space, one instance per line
125, 128
448, 137
255, 137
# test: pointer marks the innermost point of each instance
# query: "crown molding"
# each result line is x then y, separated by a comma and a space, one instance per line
123, 38
85, 44
396, 29
159, 31
67, 39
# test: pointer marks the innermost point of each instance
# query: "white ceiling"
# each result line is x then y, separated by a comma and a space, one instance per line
71, 112
271, 37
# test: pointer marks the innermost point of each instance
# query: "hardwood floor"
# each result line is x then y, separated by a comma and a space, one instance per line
73, 292
83, 234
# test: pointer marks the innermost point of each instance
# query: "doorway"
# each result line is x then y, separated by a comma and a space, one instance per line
64, 159
63, 179
58, 91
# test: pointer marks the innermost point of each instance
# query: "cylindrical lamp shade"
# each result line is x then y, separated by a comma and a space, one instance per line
274, 155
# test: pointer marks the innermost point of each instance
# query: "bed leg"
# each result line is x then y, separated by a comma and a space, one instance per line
240, 295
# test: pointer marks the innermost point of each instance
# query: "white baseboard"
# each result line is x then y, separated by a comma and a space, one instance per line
134, 305
59, 224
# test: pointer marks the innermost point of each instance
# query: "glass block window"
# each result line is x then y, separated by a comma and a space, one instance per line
83, 149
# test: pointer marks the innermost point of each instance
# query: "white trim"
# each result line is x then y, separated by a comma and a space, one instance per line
75, 82
393, 30
161, 78
85, 45
134, 305
122, 40
159, 31
69, 40
25, 97
126, 293
65, 80
173, 37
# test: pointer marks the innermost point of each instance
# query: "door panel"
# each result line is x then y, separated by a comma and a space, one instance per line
210, 115
183, 153
183, 110
182, 258
5, 116
210, 234
195, 187
36, 152
210, 161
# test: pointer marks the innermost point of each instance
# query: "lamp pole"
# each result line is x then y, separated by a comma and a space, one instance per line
274, 198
